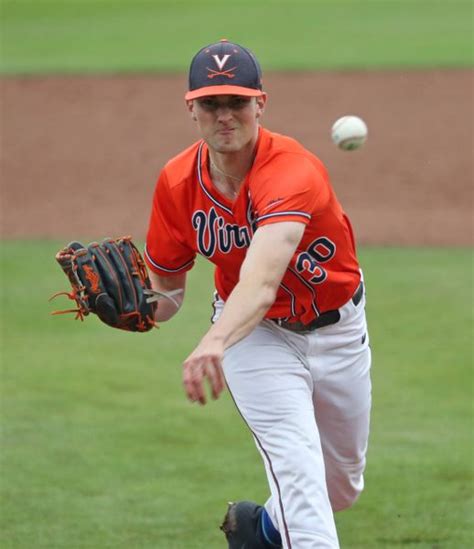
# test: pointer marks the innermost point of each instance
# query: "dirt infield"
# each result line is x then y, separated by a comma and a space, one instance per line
80, 155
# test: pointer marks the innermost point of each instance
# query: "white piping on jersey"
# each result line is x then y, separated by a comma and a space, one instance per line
203, 187
280, 214
292, 296
250, 221
158, 266
313, 302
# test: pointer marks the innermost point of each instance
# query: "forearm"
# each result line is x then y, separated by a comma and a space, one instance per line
167, 308
260, 277
244, 309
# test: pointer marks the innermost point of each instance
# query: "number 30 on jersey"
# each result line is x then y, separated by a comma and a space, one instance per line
319, 251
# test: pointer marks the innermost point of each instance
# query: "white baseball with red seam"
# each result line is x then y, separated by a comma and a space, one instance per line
349, 132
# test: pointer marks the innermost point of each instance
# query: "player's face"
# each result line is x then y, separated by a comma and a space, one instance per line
228, 123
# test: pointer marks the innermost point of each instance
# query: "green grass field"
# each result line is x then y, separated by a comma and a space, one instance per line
100, 449
155, 35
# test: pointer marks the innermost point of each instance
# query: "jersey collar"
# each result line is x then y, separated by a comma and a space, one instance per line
205, 181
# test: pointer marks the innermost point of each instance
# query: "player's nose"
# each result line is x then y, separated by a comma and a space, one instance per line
224, 112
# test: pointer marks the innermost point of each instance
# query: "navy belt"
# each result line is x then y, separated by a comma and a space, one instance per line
324, 319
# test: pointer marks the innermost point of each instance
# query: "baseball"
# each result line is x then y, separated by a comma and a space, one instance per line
349, 132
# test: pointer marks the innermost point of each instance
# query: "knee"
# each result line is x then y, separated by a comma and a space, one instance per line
343, 499
345, 484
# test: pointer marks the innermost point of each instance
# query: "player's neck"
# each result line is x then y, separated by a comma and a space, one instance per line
228, 170
228, 174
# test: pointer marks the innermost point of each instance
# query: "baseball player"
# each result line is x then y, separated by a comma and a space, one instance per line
289, 336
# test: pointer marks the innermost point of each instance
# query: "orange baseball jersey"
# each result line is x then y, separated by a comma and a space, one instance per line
285, 183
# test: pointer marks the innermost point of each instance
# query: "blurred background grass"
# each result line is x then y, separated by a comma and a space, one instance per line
156, 35
99, 448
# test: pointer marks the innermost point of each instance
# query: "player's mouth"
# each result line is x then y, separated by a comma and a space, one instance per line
226, 131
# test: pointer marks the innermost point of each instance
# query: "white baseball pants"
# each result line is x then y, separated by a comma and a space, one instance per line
306, 399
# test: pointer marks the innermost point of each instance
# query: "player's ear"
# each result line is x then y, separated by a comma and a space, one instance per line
190, 107
261, 101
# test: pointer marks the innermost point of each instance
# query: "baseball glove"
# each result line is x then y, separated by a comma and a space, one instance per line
109, 279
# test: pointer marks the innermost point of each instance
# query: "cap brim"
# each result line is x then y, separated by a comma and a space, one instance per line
222, 90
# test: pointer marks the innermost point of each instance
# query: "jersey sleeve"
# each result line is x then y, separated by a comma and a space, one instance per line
295, 189
166, 252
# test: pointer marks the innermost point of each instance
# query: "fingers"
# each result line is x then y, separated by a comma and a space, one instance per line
194, 373
193, 382
215, 375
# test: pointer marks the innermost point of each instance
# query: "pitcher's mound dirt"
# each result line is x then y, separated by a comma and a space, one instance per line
80, 155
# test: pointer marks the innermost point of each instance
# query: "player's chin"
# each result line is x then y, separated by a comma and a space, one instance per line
225, 142
227, 145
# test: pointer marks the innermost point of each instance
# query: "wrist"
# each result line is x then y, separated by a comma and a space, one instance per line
214, 335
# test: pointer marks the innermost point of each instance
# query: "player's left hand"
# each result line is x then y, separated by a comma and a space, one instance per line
204, 362
111, 280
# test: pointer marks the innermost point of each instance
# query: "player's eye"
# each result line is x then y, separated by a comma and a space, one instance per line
239, 103
208, 104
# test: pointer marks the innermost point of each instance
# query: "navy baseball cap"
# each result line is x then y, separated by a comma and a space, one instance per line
224, 68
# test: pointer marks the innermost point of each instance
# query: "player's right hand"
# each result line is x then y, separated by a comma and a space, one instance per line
204, 362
